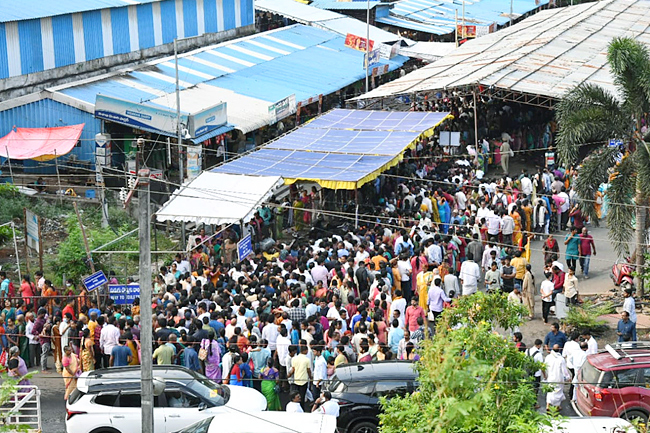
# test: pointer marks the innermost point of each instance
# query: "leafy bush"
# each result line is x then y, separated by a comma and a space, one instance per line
471, 378
585, 317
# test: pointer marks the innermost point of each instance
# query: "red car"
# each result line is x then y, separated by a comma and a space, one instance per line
616, 382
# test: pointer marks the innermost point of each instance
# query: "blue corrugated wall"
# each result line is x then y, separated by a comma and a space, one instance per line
46, 114
62, 32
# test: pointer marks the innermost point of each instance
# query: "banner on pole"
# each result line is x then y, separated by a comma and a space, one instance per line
358, 43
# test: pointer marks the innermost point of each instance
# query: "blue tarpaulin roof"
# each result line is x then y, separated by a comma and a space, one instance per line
249, 74
342, 149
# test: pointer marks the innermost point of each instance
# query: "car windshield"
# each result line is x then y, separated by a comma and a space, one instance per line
590, 374
210, 390
200, 427
336, 385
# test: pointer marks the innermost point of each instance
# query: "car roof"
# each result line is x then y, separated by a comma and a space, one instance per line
622, 355
129, 377
374, 371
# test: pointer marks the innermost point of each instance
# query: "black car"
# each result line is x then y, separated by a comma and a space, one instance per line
358, 387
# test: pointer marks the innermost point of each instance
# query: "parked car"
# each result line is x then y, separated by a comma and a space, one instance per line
589, 425
265, 422
108, 400
358, 386
616, 382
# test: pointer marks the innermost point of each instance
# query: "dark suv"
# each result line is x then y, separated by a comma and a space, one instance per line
358, 387
616, 382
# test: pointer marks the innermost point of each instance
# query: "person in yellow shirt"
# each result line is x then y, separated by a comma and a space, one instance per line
519, 263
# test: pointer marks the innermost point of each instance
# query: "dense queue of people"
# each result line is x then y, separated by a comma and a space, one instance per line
285, 317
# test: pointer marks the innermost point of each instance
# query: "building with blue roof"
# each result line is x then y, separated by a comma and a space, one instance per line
44, 43
251, 76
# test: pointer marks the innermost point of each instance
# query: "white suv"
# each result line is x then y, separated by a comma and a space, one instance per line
108, 400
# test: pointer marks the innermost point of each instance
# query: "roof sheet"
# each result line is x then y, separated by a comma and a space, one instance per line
249, 74
324, 19
428, 51
346, 5
441, 14
546, 54
218, 198
342, 149
16, 10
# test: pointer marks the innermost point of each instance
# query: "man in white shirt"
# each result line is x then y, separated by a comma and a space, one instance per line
109, 338
270, 334
282, 345
578, 361
535, 352
434, 254
526, 185
470, 275
326, 405
320, 369
405, 269
629, 305
494, 227
399, 304
592, 344
507, 228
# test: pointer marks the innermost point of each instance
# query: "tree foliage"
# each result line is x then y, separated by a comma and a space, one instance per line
472, 379
589, 114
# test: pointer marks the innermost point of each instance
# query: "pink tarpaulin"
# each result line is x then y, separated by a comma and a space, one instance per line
41, 144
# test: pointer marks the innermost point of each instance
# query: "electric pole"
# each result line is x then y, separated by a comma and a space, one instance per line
146, 325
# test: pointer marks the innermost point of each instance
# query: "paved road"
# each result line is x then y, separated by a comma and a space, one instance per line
52, 404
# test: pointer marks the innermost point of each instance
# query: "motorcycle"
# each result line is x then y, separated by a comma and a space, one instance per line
622, 274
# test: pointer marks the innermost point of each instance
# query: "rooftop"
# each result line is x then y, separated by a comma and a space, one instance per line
18, 10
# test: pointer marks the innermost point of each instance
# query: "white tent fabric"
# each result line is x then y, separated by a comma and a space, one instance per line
219, 198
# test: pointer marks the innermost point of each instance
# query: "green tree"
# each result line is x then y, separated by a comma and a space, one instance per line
472, 379
588, 114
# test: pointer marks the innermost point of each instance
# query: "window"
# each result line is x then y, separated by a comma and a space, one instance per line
390, 389
179, 399
106, 399
625, 378
360, 387
590, 374
130, 400
646, 377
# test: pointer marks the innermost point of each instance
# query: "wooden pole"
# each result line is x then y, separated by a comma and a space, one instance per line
40, 245
26, 247
11, 172
88, 255
58, 180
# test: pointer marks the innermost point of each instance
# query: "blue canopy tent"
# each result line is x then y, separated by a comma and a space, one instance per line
343, 149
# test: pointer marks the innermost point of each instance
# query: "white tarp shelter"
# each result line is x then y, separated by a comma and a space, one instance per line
546, 54
219, 198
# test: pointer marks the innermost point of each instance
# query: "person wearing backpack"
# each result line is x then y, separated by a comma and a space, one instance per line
535, 352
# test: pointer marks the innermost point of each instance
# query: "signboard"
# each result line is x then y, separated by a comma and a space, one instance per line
205, 121
94, 281
123, 294
32, 228
615, 142
194, 161
282, 108
374, 59
357, 42
244, 248
448, 138
466, 31
148, 118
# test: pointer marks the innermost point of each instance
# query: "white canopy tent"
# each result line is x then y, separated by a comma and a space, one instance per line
219, 198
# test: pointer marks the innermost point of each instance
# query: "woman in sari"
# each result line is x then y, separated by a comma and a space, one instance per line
87, 351
424, 279
71, 371
23, 342
270, 378
419, 265
213, 358
516, 235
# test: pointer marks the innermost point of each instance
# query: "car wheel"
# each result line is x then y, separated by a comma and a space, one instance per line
364, 427
636, 415
105, 430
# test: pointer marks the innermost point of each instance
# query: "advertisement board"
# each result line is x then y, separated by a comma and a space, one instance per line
466, 31
374, 59
204, 121
152, 119
33, 235
123, 294
283, 108
357, 42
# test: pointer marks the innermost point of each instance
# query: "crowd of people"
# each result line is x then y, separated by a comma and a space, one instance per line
284, 318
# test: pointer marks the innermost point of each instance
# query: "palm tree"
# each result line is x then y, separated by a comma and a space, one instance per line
589, 114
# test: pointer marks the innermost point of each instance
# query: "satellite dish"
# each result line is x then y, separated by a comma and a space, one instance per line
158, 386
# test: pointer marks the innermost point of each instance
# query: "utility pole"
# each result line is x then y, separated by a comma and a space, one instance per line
146, 331
179, 136
89, 256
367, 43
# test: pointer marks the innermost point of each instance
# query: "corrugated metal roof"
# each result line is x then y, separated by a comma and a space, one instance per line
418, 26
546, 54
324, 19
17, 10
249, 74
429, 51
340, 5
441, 14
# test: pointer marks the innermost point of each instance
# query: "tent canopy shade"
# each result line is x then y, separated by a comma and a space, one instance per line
41, 144
343, 149
218, 198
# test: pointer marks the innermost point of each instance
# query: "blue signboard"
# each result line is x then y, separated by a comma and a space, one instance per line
123, 294
614, 142
244, 248
94, 281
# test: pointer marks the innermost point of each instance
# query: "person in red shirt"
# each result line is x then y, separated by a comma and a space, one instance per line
587, 248
69, 308
412, 313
